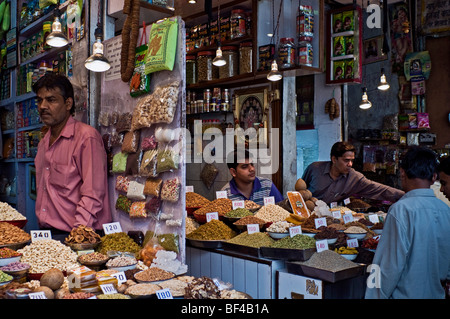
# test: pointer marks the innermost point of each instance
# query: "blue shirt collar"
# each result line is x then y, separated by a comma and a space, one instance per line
235, 190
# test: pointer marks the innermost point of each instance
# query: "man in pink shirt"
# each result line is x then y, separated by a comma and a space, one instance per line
71, 169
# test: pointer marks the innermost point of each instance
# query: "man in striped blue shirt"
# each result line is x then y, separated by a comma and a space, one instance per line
245, 185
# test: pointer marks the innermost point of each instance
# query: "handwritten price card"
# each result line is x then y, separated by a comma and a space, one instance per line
211, 216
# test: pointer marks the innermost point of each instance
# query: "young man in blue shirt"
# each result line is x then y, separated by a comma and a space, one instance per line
245, 185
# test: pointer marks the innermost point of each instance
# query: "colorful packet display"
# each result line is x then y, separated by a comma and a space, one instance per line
349, 45
338, 46
348, 21
338, 72
337, 22
349, 69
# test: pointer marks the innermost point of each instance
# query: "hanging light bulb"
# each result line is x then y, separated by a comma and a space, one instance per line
219, 60
56, 38
192, 1
365, 103
97, 62
274, 74
383, 85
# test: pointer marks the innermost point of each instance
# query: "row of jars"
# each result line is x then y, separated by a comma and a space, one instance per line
235, 26
208, 101
199, 68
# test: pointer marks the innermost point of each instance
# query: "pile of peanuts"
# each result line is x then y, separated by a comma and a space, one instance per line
45, 254
272, 213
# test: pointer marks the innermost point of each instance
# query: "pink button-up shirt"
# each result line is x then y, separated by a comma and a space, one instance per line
71, 179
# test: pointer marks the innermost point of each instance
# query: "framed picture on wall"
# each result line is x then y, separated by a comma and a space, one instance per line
250, 114
372, 50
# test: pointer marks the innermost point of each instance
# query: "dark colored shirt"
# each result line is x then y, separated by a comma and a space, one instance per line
324, 187
262, 187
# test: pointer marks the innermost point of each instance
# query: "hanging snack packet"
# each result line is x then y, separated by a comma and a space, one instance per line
153, 186
123, 203
133, 161
162, 46
124, 122
167, 160
119, 162
153, 205
137, 210
339, 67
140, 82
349, 69
338, 46
148, 163
122, 183
170, 190
131, 141
348, 21
135, 191
337, 22
349, 45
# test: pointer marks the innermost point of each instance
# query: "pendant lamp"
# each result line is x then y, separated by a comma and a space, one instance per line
365, 103
219, 59
56, 38
97, 62
274, 74
383, 85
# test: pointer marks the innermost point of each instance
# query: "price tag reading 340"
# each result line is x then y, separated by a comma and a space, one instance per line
40, 235
112, 228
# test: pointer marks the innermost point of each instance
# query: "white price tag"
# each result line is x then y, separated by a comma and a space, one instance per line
295, 230
336, 214
164, 294
346, 201
374, 218
333, 205
221, 194
108, 289
120, 276
348, 218
352, 243
112, 228
319, 222
252, 228
269, 200
238, 204
211, 216
40, 235
37, 295
189, 189
321, 245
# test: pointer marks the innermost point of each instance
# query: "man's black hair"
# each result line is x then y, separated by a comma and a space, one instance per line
340, 148
238, 157
444, 165
419, 162
51, 81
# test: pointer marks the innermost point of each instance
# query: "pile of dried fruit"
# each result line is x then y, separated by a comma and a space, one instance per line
83, 235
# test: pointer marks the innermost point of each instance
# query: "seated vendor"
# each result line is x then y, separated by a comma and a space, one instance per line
335, 180
245, 185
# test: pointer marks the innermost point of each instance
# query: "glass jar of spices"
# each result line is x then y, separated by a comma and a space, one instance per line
191, 69
245, 57
238, 24
205, 66
230, 54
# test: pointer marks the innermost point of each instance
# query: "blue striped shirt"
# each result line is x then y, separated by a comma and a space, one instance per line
262, 187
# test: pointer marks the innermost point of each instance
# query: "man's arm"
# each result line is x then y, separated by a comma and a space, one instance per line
93, 170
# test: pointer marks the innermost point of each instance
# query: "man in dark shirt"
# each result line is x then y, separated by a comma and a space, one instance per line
336, 180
